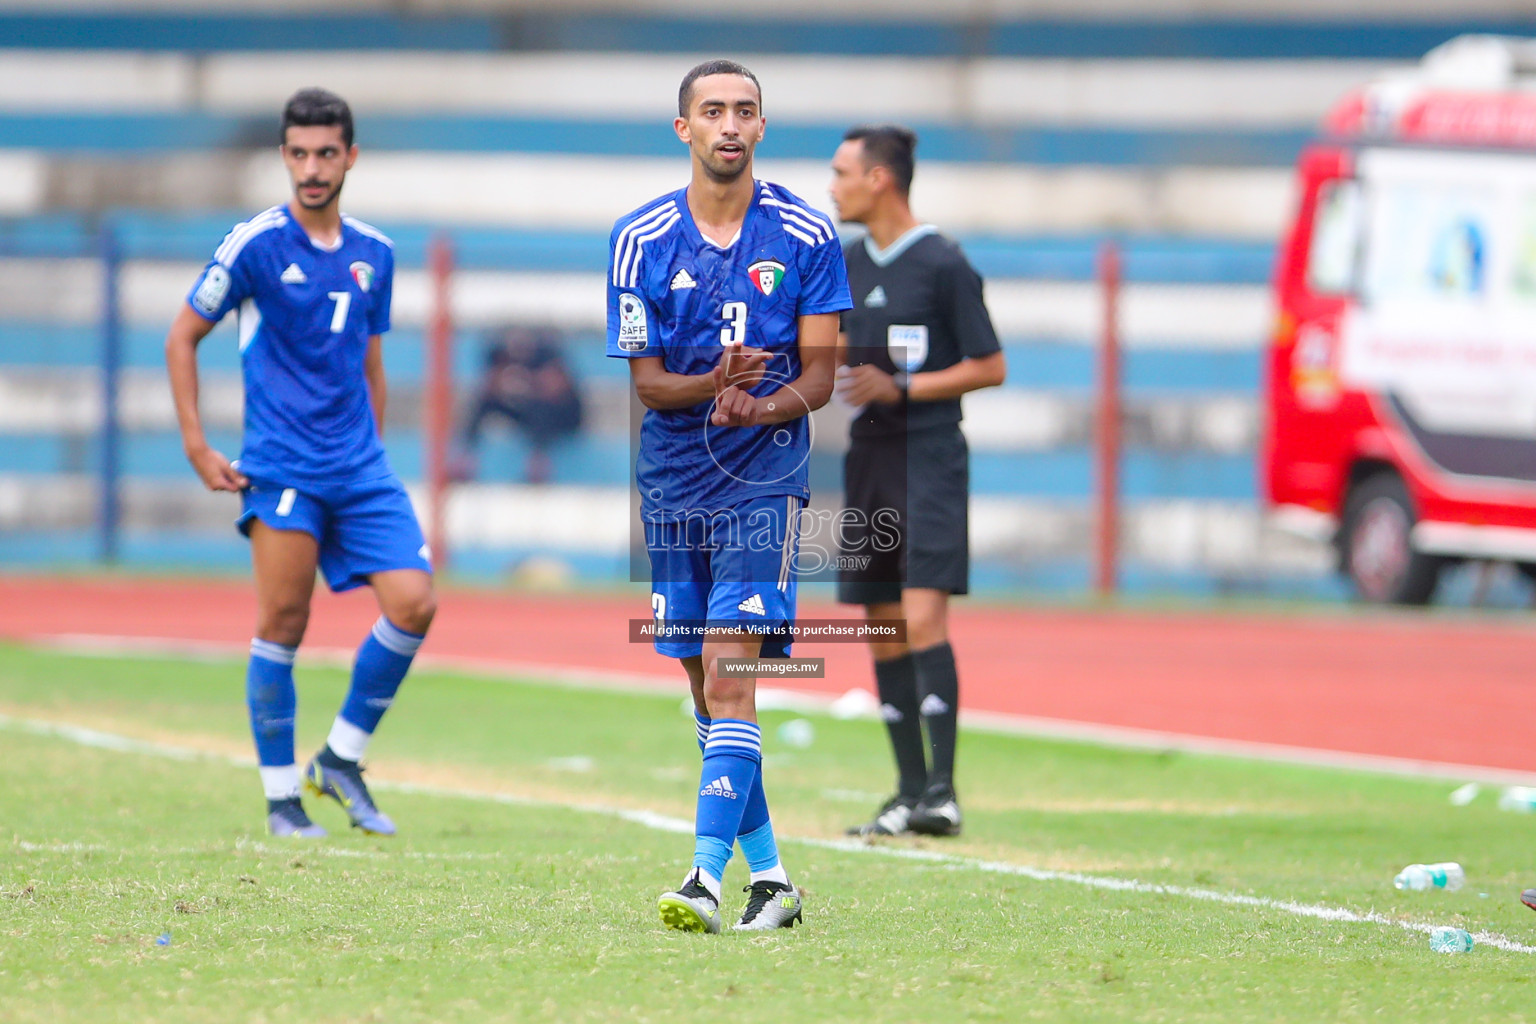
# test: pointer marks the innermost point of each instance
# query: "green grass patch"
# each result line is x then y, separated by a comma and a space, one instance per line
482, 910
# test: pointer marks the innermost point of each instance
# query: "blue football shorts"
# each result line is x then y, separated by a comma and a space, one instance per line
732, 569
362, 526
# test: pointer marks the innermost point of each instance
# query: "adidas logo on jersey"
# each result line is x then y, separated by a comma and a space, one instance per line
720, 787
875, 298
753, 604
683, 279
932, 705
293, 275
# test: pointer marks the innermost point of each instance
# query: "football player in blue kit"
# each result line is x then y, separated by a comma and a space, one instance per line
724, 296
312, 289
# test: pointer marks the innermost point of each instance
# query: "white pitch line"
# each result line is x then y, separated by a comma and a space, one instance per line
26, 847
775, 699
251, 846
343, 851
667, 823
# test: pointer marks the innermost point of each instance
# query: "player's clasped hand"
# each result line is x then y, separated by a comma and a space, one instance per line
216, 472
734, 407
861, 385
740, 367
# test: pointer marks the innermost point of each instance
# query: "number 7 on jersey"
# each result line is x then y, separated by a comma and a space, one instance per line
343, 302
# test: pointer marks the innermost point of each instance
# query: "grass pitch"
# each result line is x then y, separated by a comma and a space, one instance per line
529, 893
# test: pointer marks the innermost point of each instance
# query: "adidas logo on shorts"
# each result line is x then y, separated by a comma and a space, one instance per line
720, 787
753, 604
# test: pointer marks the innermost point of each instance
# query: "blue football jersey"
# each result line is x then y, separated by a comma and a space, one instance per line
305, 316
674, 294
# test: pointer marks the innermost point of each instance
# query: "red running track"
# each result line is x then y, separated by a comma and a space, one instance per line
1408, 686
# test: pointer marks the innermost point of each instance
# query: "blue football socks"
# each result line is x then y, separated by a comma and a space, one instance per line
382, 662
755, 833
270, 695
732, 757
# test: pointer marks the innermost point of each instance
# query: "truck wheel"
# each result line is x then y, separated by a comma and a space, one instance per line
1375, 543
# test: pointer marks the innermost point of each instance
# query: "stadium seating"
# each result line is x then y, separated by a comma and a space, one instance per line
1041, 138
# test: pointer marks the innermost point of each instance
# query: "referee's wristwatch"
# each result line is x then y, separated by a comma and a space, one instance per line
901, 380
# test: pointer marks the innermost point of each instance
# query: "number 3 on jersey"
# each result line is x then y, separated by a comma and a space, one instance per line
735, 330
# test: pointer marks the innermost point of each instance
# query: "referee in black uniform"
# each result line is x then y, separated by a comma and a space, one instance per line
918, 337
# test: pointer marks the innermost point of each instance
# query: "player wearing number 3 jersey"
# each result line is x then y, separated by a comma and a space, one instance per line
311, 289
724, 298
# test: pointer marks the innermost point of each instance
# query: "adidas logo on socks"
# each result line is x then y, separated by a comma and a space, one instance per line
932, 705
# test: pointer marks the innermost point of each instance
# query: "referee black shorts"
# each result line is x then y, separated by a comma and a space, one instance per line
910, 495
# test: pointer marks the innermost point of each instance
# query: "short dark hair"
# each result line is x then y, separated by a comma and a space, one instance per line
892, 146
718, 66
318, 106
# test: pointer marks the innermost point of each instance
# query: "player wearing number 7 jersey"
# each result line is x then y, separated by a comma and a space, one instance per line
312, 289
724, 298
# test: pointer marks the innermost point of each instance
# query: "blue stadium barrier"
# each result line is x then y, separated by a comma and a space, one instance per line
1054, 365
157, 235
585, 460
61, 346
139, 134
1103, 37
227, 552
605, 461
248, 31
156, 455
47, 235
1033, 363
1067, 473
1075, 576
1147, 258
1229, 38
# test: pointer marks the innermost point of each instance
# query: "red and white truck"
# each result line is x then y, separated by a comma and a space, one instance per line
1401, 382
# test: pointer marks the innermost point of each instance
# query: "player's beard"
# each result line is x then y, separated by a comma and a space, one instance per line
330, 197
724, 173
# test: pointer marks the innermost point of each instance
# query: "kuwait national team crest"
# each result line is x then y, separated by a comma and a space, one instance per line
766, 275
362, 273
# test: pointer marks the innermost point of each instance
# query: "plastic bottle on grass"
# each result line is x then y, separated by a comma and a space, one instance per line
1450, 940
797, 732
1418, 877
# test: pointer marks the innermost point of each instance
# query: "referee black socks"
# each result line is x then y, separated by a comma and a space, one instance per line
896, 681
939, 685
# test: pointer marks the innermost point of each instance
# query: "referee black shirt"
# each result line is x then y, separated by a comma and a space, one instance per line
917, 307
